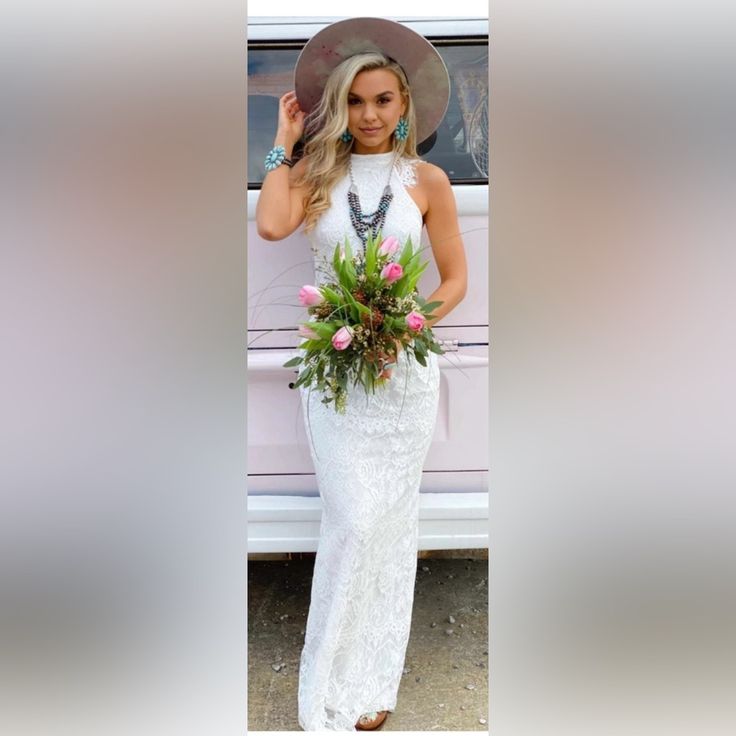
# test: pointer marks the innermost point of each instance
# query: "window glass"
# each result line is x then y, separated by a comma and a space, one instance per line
459, 146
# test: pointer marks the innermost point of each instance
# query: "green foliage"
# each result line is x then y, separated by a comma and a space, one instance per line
371, 253
324, 329
331, 296
406, 253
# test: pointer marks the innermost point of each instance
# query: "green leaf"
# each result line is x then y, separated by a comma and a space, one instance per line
324, 329
420, 358
332, 296
311, 345
371, 250
428, 307
401, 288
435, 348
357, 307
414, 278
394, 323
336, 264
406, 253
411, 267
293, 362
357, 373
305, 377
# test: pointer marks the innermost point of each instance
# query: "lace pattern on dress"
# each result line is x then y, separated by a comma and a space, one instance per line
406, 169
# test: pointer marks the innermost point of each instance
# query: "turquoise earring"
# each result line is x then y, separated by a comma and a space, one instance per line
346, 137
402, 130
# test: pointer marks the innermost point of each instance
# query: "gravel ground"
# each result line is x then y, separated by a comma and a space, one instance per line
445, 681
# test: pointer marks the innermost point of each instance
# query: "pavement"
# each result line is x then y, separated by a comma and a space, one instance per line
445, 682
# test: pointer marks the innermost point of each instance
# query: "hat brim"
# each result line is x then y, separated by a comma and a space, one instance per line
424, 68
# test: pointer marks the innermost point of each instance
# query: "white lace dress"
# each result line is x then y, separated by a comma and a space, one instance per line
368, 463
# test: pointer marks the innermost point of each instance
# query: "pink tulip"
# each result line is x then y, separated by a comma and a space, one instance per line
392, 272
310, 334
389, 246
342, 338
310, 296
415, 321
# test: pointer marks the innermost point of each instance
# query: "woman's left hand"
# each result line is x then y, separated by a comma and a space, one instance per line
390, 358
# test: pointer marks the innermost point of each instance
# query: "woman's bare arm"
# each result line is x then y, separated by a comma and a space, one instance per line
280, 208
443, 229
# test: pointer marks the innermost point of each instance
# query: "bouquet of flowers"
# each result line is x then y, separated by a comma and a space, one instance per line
363, 318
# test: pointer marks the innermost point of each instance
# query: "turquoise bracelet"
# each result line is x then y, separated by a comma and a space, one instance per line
275, 157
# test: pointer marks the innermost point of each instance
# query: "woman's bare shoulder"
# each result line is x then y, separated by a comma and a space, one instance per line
433, 182
431, 175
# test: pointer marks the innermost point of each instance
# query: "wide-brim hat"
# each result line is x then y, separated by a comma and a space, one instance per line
422, 64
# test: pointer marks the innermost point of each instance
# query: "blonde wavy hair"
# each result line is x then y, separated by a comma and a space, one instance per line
327, 155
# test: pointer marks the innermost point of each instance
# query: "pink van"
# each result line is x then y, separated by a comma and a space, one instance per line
283, 501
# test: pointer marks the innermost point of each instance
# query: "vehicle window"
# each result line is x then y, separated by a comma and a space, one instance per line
460, 145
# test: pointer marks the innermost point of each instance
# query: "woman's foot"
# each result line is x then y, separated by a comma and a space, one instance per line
371, 721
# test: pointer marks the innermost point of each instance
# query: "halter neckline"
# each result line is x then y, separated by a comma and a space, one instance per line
372, 156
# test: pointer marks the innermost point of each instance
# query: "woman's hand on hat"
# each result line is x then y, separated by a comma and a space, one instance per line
291, 118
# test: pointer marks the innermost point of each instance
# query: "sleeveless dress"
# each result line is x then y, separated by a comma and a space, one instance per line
368, 463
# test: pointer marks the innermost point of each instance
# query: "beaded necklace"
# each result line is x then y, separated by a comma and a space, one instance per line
363, 224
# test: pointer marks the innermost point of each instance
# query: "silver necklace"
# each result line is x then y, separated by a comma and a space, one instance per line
372, 223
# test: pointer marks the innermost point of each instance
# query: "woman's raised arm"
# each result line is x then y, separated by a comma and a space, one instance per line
280, 208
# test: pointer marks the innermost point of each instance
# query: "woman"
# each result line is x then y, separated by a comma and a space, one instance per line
367, 91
